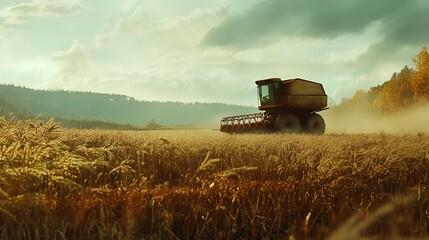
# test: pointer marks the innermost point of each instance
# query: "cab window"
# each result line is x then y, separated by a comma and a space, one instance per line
265, 94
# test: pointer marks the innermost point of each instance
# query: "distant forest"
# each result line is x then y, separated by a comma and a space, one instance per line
406, 89
97, 108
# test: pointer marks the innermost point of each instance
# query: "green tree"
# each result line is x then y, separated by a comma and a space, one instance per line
153, 124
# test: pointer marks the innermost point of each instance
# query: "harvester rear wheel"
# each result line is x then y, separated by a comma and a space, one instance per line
288, 123
315, 124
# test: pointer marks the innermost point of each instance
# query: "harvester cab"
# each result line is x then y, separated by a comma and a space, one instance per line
269, 93
289, 106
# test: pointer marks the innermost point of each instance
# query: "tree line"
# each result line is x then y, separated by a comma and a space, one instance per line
405, 89
112, 108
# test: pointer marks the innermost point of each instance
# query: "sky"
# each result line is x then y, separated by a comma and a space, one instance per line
207, 50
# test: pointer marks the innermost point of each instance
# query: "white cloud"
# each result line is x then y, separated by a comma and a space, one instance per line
38, 8
155, 54
159, 53
153, 25
71, 67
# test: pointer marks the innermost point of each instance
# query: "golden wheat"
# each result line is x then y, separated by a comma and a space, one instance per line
94, 184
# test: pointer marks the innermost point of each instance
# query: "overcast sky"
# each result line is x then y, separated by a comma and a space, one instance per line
207, 50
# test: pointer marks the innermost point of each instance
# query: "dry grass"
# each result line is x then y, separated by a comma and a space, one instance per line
93, 184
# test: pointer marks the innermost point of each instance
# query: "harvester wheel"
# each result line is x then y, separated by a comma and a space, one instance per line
288, 123
315, 124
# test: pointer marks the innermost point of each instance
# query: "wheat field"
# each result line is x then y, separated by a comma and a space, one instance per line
199, 184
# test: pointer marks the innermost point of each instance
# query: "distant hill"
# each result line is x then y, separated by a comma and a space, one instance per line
112, 108
6, 107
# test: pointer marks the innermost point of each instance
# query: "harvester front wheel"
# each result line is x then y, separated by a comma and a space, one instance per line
315, 124
288, 123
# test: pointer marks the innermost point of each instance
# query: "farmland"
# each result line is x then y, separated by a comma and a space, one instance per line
202, 184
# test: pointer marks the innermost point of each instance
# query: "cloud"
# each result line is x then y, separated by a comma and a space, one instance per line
157, 57
38, 8
72, 66
401, 25
369, 39
306, 19
149, 24
403, 33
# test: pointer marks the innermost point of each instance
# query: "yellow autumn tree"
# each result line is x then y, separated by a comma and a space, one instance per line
359, 102
420, 80
404, 89
396, 94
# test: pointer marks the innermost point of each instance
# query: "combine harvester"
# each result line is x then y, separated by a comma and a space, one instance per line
290, 106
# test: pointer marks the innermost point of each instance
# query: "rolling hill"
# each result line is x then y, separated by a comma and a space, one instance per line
112, 108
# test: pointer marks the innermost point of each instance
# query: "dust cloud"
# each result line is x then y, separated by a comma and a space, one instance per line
354, 121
